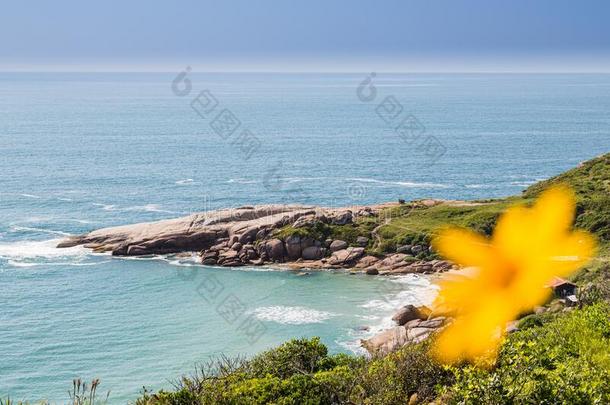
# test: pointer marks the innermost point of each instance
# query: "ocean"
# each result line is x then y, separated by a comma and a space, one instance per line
81, 151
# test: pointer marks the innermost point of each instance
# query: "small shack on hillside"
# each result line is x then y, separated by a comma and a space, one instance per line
564, 289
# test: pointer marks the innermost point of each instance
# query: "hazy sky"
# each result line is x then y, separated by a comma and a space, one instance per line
548, 35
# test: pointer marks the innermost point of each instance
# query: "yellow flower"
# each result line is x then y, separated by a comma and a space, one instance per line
528, 248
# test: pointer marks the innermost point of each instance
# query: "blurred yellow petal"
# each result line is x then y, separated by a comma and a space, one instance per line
529, 247
464, 247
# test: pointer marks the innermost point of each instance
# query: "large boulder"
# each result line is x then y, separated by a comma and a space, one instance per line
366, 261
416, 335
346, 256
249, 235
275, 250
408, 313
293, 247
341, 217
305, 221
338, 245
386, 341
307, 242
433, 323
312, 253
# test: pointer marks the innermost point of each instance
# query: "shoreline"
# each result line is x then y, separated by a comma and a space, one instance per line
288, 238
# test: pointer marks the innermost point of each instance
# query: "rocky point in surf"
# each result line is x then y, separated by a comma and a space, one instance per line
265, 234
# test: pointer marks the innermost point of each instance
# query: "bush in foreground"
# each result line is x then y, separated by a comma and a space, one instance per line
562, 359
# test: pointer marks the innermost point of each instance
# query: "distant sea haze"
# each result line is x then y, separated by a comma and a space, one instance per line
85, 151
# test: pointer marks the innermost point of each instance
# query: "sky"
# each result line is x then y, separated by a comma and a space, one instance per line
312, 35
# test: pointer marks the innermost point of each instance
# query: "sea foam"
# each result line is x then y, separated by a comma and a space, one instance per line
291, 315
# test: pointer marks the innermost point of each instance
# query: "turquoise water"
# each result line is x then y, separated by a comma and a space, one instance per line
84, 151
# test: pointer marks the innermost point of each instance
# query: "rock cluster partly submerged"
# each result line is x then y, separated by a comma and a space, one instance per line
413, 324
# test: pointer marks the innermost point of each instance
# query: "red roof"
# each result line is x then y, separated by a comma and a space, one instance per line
558, 281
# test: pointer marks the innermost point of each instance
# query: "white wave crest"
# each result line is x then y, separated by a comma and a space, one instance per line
291, 315
144, 208
16, 228
242, 181
18, 251
407, 184
401, 290
184, 182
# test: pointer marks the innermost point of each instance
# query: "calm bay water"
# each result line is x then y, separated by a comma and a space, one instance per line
84, 151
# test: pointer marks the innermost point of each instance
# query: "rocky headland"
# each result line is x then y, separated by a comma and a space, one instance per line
265, 235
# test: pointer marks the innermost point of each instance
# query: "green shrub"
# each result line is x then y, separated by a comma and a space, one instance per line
564, 361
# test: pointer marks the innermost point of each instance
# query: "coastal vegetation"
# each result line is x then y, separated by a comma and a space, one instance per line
560, 358
558, 354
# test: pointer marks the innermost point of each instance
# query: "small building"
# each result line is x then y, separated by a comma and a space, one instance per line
562, 288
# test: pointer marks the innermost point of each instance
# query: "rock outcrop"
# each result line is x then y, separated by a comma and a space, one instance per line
409, 313
195, 232
413, 331
251, 236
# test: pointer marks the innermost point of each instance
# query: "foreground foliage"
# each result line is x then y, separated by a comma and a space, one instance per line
565, 358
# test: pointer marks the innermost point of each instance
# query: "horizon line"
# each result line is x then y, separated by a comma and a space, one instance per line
498, 72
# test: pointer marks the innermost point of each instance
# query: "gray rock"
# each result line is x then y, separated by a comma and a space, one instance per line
433, 323
228, 255
236, 246
218, 247
293, 247
341, 217
416, 335
366, 261
210, 254
232, 263
338, 245
248, 236
261, 234
307, 242
306, 220
386, 341
413, 323
210, 261
404, 249
417, 249
362, 241
312, 253
406, 314
372, 271
136, 250
275, 250
346, 256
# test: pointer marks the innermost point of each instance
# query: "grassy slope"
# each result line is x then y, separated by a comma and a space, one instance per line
590, 181
416, 223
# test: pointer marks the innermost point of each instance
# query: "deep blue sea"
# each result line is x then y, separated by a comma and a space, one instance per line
83, 151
